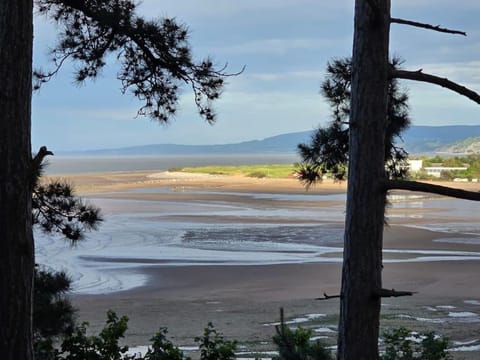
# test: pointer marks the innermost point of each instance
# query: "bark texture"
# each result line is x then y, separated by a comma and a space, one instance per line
362, 264
16, 240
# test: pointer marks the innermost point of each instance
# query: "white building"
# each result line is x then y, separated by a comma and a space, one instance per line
415, 165
437, 170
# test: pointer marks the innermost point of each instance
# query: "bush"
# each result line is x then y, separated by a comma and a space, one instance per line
402, 344
257, 174
296, 345
213, 346
105, 346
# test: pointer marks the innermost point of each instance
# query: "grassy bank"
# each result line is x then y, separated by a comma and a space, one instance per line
256, 171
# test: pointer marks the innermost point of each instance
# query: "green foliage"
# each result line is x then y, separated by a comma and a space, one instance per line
163, 349
259, 171
431, 161
213, 345
401, 344
470, 161
327, 152
53, 314
257, 174
79, 346
105, 346
296, 345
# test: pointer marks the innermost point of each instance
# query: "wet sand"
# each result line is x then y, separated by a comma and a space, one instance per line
240, 300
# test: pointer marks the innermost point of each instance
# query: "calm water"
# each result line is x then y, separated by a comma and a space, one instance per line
72, 165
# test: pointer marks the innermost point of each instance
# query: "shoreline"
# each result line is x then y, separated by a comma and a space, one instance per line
115, 181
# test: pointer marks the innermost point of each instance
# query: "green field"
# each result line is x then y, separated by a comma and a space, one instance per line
257, 171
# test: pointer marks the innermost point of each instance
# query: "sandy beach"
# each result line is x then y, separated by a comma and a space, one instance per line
243, 300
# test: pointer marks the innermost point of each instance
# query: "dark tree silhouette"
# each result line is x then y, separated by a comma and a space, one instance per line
327, 151
53, 313
156, 62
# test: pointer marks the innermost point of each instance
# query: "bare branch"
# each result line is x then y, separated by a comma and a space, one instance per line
427, 26
280, 329
431, 189
328, 297
432, 79
393, 293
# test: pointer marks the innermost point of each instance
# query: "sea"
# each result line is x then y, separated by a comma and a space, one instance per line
285, 228
75, 165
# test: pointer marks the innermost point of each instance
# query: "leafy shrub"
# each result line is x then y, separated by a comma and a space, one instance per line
102, 347
213, 346
105, 346
402, 344
163, 349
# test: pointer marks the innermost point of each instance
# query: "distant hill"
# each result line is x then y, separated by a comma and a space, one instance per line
470, 145
416, 140
280, 144
428, 139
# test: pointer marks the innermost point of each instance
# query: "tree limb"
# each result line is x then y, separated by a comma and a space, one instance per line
393, 293
328, 297
431, 188
427, 26
443, 82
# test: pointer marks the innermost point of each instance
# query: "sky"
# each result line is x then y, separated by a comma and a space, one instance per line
284, 46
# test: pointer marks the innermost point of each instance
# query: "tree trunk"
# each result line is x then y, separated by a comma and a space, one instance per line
362, 264
16, 240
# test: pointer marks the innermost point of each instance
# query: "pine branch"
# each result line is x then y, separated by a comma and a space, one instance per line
432, 79
431, 189
427, 26
155, 55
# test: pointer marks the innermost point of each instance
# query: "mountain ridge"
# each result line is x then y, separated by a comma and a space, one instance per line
416, 140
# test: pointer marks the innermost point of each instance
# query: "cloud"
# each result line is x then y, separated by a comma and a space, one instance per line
279, 46
465, 73
222, 8
449, 4
287, 75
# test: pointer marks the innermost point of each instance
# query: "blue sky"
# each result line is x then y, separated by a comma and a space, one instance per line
285, 45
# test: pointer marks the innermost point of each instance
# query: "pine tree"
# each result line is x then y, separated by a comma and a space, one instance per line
327, 151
